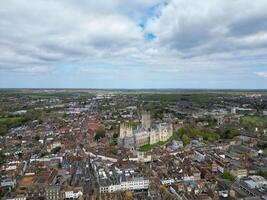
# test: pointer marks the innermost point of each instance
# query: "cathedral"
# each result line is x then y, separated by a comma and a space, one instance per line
147, 133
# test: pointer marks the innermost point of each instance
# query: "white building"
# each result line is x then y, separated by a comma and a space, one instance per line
17, 198
73, 194
139, 183
8, 183
256, 182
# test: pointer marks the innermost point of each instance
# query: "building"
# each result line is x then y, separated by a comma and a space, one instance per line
72, 192
127, 183
53, 192
256, 182
17, 198
239, 171
176, 145
146, 121
238, 110
112, 178
147, 133
53, 146
200, 156
8, 183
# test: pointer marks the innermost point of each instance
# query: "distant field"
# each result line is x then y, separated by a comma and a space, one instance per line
177, 97
52, 91
9, 119
9, 122
254, 121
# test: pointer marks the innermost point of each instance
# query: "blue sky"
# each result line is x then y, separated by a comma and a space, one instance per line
133, 44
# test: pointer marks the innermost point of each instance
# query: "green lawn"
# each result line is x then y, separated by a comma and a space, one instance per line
228, 176
149, 147
9, 119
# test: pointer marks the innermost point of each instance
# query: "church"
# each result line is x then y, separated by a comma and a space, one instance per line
146, 133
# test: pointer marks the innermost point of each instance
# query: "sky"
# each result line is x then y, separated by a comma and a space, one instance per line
215, 44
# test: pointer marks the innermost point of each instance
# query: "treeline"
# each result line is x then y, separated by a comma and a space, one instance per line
193, 97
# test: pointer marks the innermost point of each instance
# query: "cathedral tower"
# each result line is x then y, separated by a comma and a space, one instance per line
125, 130
146, 122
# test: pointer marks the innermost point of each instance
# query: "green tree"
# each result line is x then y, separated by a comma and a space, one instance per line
37, 137
100, 133
115, 135
185, 139
3, 129
230, 133
56, 150
2, 158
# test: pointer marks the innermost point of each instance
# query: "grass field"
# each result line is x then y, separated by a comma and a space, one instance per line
9, 119
149, 147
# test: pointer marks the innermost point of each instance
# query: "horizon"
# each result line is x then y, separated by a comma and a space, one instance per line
170, 44
144, 89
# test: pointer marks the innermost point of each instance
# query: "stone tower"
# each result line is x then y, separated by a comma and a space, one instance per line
146, 122
126, 138
126, 130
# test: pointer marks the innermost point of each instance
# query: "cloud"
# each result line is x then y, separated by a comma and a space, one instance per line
262, 74
49, 32
154, 39
211, 26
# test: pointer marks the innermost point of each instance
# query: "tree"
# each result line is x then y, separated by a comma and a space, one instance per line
128, 195
185, 139
37, 137
19, 137
20, 155
3, 129
115, 135
263, 174
230, 133
56, 150
2, 193
2, 158
100, 133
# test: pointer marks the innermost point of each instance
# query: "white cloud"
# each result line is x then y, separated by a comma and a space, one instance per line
50, 32
262, 74
203, 27
192, 36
